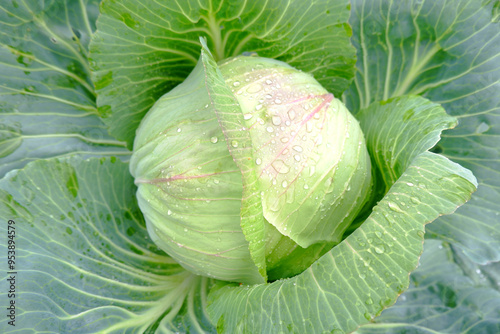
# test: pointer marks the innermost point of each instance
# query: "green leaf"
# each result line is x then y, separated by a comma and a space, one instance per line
362, 275
47, 101
446, 51
442, 298
189, 187
309, 152
366, 272
143, 49
413, 126
239, 144
84, 261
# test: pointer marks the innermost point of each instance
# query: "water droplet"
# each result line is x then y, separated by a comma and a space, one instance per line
269, 129
234, 143
247, 116
255, 88
409, 184
362, 276
284, 139
277, 101
414, 200
258, 107
369, 301
312, 170
380, 249
268, 96
269, 82
185, 229
309, 127
236, 83
284, 184
258, 161
291, 114
179, 130
280, 166
276, 120
306, 186
214, 140
216, 181
483, 127
297, 148
296, 157
169, 212
394, 207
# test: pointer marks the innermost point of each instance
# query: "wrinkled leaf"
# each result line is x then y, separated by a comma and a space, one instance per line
447, 51
357, 279
84, 261
47, 101
441, 299
143, 49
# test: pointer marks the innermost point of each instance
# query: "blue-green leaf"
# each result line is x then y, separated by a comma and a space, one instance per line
47, 101
447, 51
442, 298
84, 261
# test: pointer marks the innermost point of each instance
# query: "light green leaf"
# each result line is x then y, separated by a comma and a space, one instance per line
362, 275
47, 101
143, 49
447, 51
413, 125
309, 153
84, 261
189, 187
366, 272
441, 299
239, 144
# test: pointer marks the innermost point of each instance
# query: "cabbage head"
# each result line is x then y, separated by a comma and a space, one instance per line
249, 171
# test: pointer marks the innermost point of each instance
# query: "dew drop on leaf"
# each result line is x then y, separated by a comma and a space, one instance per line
280, 166
276, 120
394, 207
